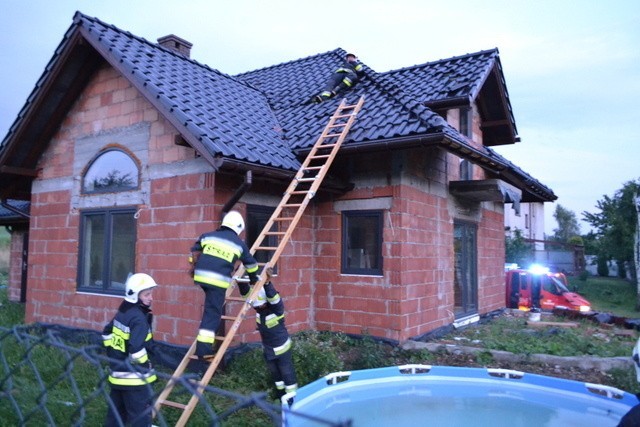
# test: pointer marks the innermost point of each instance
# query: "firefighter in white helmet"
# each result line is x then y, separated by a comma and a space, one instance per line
214, 256
276, 343
127, 338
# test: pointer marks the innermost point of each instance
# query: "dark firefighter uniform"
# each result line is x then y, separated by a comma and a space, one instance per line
344, 78
276, 342
126, 338
217, 253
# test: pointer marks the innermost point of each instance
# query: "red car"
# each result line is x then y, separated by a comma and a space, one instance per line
537, 287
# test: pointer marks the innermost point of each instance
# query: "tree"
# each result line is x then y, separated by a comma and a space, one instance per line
615, 227
517, 249
568, 227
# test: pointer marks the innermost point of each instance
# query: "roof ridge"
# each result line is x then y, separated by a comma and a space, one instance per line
442, 60
338, 51
79, 16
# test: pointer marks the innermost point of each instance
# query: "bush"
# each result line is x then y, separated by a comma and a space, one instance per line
603, 267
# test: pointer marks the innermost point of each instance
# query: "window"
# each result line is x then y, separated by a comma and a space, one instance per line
107, 250
465, 122
257, 218
113, 170
466, 170
465, 292
362, 242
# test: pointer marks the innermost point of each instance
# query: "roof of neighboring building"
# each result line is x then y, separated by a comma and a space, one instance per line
259, 118
14, 212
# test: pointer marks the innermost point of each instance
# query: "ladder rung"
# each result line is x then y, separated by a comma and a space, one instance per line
266, 248
326, 145
173, 404
313, 167
281, 233
224, 317
331, 135
299, 192
342, 115
303, 180
320, 156
288, 218
337, 125
235, 299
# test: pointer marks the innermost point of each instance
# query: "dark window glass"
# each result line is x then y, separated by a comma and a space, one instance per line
111, 171
362, 242
465, 122
466, 170
465, 291
257, 218
107, 250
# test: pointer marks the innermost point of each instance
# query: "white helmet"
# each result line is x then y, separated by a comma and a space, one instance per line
234, 221
137, 283
260, 298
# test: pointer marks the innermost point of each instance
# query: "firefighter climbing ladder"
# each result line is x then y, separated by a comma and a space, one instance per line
278, 229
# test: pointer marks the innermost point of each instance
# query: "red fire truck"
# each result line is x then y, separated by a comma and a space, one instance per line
537, 287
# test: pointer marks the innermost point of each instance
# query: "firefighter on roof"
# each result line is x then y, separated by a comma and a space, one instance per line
343, 79
276, 343
127, 338
214, 257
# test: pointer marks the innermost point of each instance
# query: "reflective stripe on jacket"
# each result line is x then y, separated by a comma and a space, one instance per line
126, 339
220, 251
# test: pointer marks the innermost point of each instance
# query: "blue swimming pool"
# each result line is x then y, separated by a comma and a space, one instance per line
417, 395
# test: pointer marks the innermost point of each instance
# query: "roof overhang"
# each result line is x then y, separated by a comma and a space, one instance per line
531, 191
487, 190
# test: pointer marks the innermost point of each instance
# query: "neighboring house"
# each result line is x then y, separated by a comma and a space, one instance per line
530, 222
127, 150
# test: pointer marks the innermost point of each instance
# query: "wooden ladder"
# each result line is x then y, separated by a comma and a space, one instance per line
279, 228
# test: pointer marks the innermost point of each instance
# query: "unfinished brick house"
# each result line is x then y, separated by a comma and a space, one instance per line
127, 150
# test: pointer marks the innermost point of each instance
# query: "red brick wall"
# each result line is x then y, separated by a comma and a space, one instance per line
179, 209
414, 295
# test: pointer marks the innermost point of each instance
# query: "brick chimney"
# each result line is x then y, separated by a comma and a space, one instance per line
176, 43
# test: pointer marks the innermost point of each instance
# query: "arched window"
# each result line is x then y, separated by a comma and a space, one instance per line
113, 170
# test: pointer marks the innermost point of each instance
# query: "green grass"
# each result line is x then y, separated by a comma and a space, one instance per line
608, 295
513, 334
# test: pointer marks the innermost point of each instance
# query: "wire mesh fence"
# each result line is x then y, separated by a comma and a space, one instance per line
53, 378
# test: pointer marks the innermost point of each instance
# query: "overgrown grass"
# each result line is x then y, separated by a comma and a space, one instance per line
513, 334
608, 295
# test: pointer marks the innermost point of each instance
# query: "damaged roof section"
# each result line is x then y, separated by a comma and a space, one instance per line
262, 118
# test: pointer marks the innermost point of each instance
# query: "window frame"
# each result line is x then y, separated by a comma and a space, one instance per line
377, 268
107, 249
110, 189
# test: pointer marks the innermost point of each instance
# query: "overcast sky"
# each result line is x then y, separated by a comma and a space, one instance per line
572, 68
